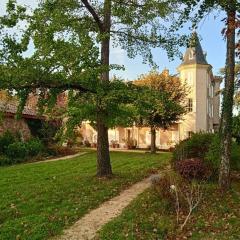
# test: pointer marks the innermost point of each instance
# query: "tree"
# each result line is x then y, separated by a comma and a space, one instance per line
72, 45
230, 7
163, 112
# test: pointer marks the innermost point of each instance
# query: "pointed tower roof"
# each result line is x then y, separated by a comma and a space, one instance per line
194, 53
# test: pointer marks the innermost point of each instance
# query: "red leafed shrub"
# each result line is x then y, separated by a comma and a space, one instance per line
193, 168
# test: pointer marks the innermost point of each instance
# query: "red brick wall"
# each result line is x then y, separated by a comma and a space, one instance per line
15, 126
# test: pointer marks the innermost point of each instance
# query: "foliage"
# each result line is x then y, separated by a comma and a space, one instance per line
71, 41
195, 146
162, 111
235, 156
17, 152
4, 160
34, 147
48, 197
58, 150
161, 183
44, 130
212, 155
193, 169
6, 139
236, 128
14, 150
205, 146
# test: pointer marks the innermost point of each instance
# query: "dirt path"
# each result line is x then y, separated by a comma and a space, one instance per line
87, 227
60, 158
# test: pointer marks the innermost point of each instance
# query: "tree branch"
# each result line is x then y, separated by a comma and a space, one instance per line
93, 13
66, 86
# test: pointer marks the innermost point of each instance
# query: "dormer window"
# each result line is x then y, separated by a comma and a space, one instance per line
191, 55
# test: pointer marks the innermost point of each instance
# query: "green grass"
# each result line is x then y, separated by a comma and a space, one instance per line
39, 200
150, 217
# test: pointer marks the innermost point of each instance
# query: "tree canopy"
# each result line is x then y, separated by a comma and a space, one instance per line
69, 41
164, 111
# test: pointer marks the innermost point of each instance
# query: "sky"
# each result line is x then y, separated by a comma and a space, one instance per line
212, 43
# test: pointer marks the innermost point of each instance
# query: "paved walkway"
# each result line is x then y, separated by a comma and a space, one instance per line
87, 227
60, 158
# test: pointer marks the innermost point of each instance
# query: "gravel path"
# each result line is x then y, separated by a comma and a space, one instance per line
60, 158
87, 227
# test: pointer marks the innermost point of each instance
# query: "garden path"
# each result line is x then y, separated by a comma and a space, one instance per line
88, 226
60, 158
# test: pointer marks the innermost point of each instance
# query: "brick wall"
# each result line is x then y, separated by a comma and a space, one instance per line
15, 126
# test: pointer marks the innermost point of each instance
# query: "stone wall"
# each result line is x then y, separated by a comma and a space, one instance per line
15, 126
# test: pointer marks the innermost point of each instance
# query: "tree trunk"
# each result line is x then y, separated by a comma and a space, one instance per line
103, 157
153, 139
227, 106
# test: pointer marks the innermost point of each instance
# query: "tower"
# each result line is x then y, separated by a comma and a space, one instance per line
202, 101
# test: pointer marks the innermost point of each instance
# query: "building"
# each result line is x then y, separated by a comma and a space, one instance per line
203, 103
9, 109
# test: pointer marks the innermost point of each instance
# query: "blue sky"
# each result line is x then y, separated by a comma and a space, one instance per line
209, 31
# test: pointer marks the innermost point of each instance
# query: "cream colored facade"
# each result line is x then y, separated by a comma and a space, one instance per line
203, 115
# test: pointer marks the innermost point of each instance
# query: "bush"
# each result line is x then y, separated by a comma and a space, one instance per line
34, 147
212, 156
57, 150
86, 143
4, 160
5, 140
195, 147
17, 152
193, 168
162, 184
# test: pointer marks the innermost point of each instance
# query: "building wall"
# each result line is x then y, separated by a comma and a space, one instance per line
201, 98
216, 103
15, 126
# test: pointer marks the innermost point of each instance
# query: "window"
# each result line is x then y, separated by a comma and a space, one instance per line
191, 55
189, 105
190, 78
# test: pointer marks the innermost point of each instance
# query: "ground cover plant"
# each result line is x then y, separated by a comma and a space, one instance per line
38, 200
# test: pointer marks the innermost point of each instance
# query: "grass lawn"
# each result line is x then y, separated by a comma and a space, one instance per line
152, 218
38, 200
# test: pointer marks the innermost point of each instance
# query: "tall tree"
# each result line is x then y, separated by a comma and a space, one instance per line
228, 94
230, 7
72, 39
166, 111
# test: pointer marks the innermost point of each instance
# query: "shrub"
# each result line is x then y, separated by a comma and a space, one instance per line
162, 184
34, 147
195, 147
235, 157
86, 143
5, 140
17, 152
193, 168
4, 160
212, 156
61, 150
